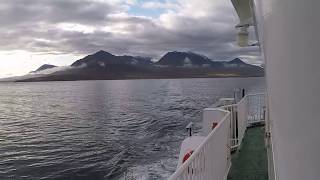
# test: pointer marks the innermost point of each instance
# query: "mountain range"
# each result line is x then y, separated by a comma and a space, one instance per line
43, 67
104, 65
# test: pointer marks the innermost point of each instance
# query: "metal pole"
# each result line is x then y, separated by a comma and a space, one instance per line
243, 93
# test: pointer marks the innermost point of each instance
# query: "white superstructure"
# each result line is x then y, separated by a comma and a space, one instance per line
289, 37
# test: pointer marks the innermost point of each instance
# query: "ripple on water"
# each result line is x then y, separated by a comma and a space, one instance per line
102, 129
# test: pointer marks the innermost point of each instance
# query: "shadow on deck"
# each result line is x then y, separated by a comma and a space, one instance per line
250, 162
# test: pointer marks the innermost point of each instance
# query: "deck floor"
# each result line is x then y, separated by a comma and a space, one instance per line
250, 162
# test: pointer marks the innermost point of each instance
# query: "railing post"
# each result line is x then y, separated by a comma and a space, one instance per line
189, 128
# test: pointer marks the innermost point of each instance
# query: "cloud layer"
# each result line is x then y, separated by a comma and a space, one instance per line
85, 26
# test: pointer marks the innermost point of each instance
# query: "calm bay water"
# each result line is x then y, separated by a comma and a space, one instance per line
126, 129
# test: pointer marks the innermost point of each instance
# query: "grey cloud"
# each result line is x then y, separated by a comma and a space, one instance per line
25, 23
13, 12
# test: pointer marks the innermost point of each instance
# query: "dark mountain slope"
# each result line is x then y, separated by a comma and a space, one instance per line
184, 59
43, 67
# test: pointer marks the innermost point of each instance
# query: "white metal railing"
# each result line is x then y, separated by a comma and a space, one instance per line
248, 111
256, 108
211, 160
233, 125
242, 116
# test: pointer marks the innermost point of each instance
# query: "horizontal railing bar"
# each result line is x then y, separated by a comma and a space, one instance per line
256, 94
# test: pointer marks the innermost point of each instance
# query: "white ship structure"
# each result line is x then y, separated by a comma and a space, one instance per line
272, 135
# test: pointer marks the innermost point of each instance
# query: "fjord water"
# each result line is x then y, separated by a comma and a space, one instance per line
124, 129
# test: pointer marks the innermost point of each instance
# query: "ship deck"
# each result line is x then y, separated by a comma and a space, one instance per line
250, 162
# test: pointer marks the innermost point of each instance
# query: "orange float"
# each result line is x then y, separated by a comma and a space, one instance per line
186, 156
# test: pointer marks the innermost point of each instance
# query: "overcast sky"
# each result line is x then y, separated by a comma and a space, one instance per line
34, 32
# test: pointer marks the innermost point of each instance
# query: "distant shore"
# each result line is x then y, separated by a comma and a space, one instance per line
130, 78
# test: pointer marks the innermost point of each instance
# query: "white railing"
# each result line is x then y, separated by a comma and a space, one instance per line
242, 117
211, 160
256, 108
233, 125
248, 111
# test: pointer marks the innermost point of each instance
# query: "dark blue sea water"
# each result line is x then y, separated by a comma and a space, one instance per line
126, 129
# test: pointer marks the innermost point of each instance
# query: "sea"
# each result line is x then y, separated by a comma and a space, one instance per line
108, 130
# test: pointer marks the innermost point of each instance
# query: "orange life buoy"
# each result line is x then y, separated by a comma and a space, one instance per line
186, 156
214, 124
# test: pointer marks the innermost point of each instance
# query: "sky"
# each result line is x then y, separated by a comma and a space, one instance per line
36, 32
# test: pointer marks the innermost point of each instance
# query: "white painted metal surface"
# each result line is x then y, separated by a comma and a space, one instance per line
289, 35
211, 160
211, 157
242, 116
188, 145
209, 117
